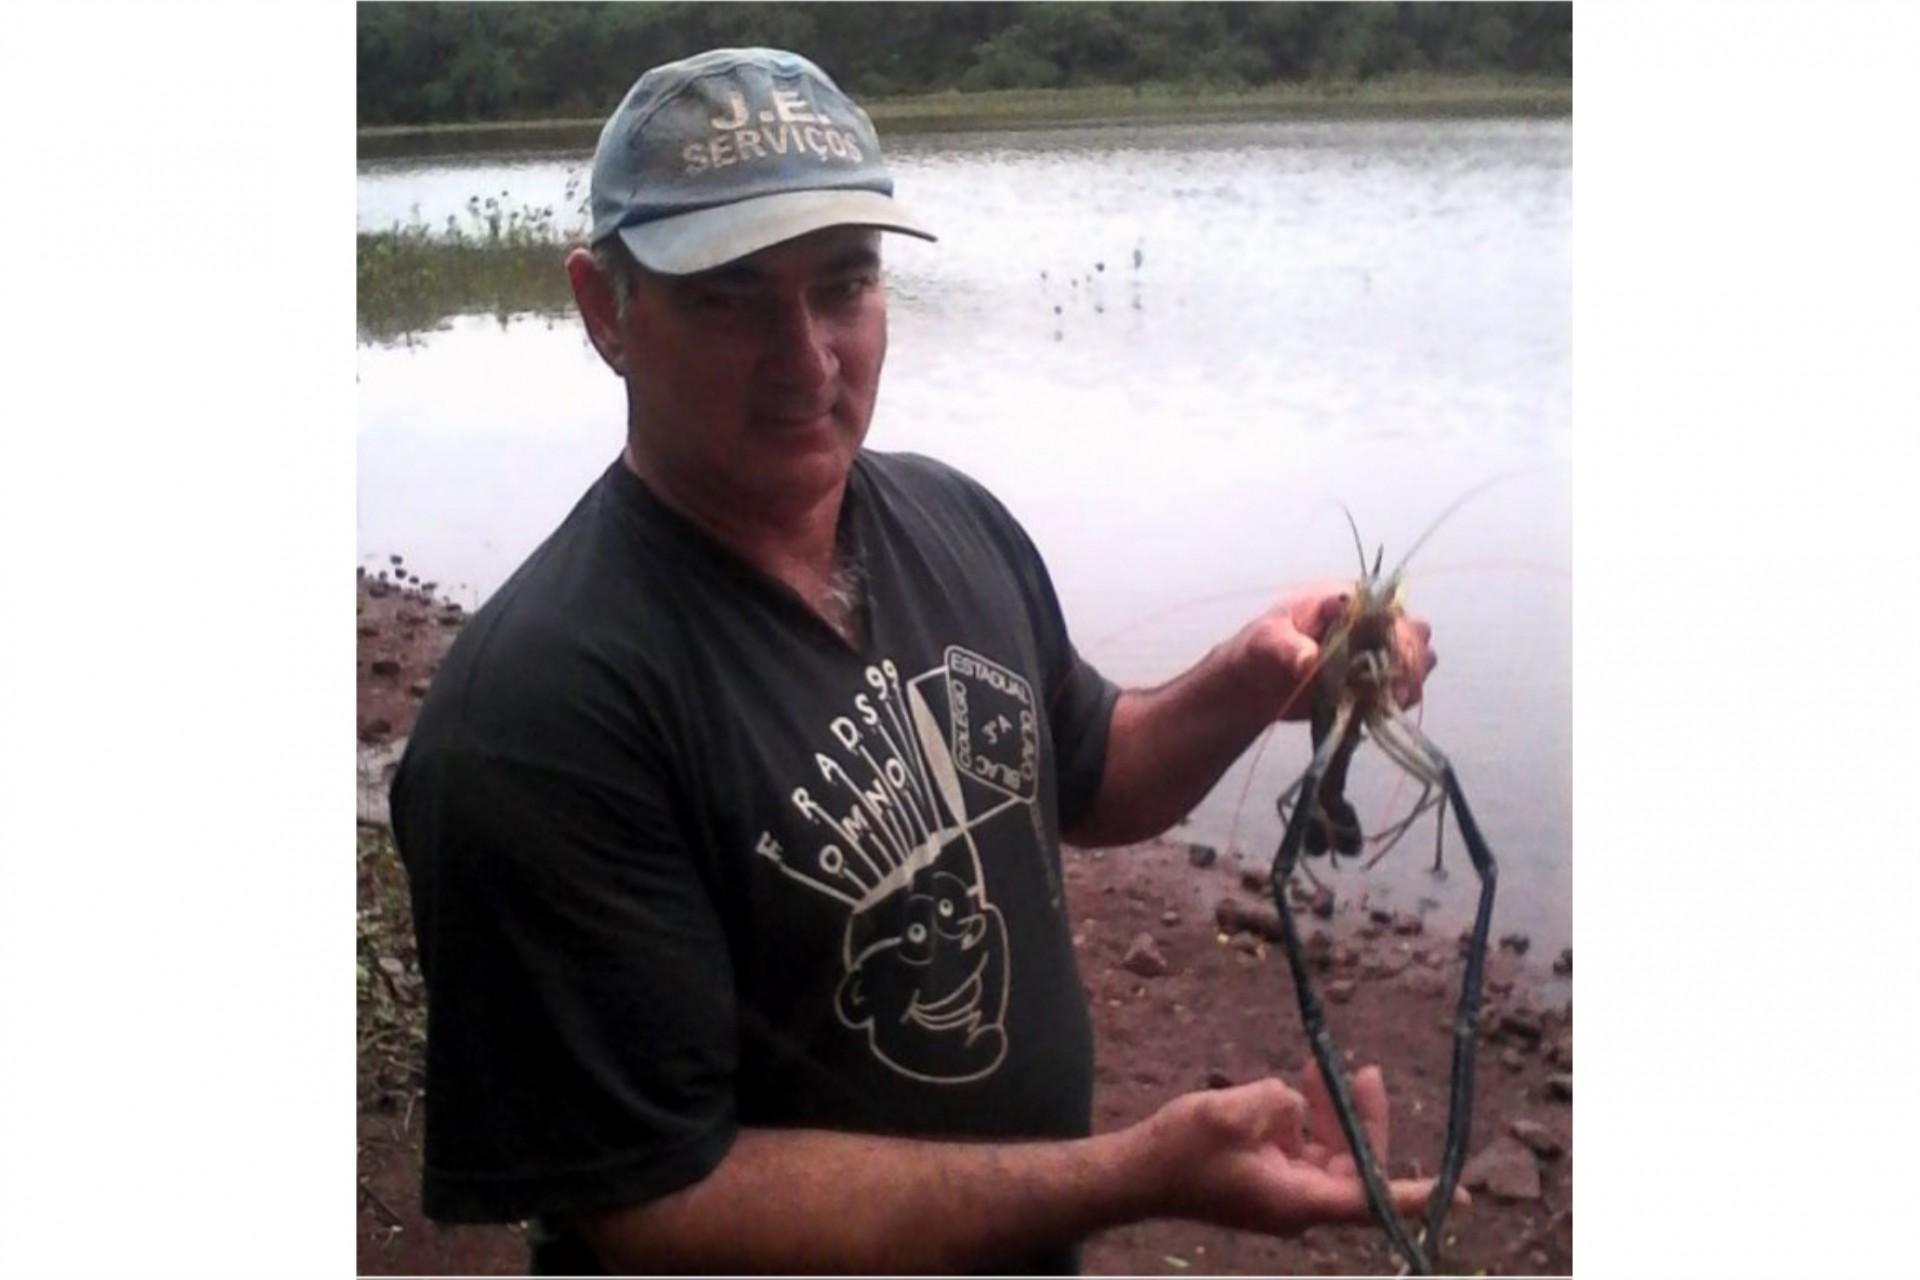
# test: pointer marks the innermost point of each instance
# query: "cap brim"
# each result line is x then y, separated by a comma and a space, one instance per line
708, 238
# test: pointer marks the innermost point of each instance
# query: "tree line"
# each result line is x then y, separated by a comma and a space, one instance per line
458, 62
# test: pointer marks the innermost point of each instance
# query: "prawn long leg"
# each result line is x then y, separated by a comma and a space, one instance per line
1313, 1014
1384, 841
1410, 756
1467, 1013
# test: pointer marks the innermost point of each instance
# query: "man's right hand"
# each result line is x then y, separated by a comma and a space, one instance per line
1267, 1157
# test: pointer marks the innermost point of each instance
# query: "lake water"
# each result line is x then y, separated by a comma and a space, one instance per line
1176, 352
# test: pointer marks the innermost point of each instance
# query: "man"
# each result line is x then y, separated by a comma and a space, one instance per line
733, 819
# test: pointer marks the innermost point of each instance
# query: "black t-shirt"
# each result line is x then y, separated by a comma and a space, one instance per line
684, 861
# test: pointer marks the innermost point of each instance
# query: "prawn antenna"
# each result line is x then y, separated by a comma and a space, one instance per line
1359, 549
1452, 507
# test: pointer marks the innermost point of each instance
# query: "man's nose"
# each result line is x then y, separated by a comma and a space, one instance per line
800, 348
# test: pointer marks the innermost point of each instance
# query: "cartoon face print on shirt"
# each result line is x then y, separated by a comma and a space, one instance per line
925, 951
929, 986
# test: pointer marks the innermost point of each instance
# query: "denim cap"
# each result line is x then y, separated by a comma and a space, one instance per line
726, 153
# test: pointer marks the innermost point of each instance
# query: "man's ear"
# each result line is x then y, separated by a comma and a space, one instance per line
593, 293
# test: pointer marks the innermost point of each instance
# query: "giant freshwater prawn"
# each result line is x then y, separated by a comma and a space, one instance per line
1352, 701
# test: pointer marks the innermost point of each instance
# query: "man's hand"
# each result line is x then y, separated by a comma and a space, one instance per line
1266, 1157
1287, 639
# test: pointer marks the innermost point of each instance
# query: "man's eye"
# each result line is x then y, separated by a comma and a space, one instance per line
850, 289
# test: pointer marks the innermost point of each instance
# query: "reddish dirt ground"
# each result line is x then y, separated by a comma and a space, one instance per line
1222, 1011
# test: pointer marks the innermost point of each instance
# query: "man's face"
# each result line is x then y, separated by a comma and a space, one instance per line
752, 385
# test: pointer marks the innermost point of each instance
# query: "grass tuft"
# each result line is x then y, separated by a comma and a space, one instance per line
498, 262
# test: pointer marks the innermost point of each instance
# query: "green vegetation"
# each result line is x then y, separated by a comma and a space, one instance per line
449, 77
499, 263
460, 62
1401, 96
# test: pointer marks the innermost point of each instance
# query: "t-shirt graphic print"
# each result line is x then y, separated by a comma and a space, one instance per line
902, 785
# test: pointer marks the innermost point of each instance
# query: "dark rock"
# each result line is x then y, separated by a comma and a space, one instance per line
385, 667
1516, 943
418, 688
1563, 963
1523, 1025
369, 629
1323, 903
1538, 1139
1143, 957
1202, 855
1233, 917
1253, 881
1380, 915
396, 559
1560, 1056
1217, 1079
378, 589
1506, 1171
1406, 924
1340, 990
1560, 1086
375, 730
451, 619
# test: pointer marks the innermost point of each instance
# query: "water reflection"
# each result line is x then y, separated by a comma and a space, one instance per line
1374, 315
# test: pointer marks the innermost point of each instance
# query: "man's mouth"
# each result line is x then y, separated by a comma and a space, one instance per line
790, 420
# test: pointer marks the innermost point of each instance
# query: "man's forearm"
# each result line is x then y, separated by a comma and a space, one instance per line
1167, 747
804, 1200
